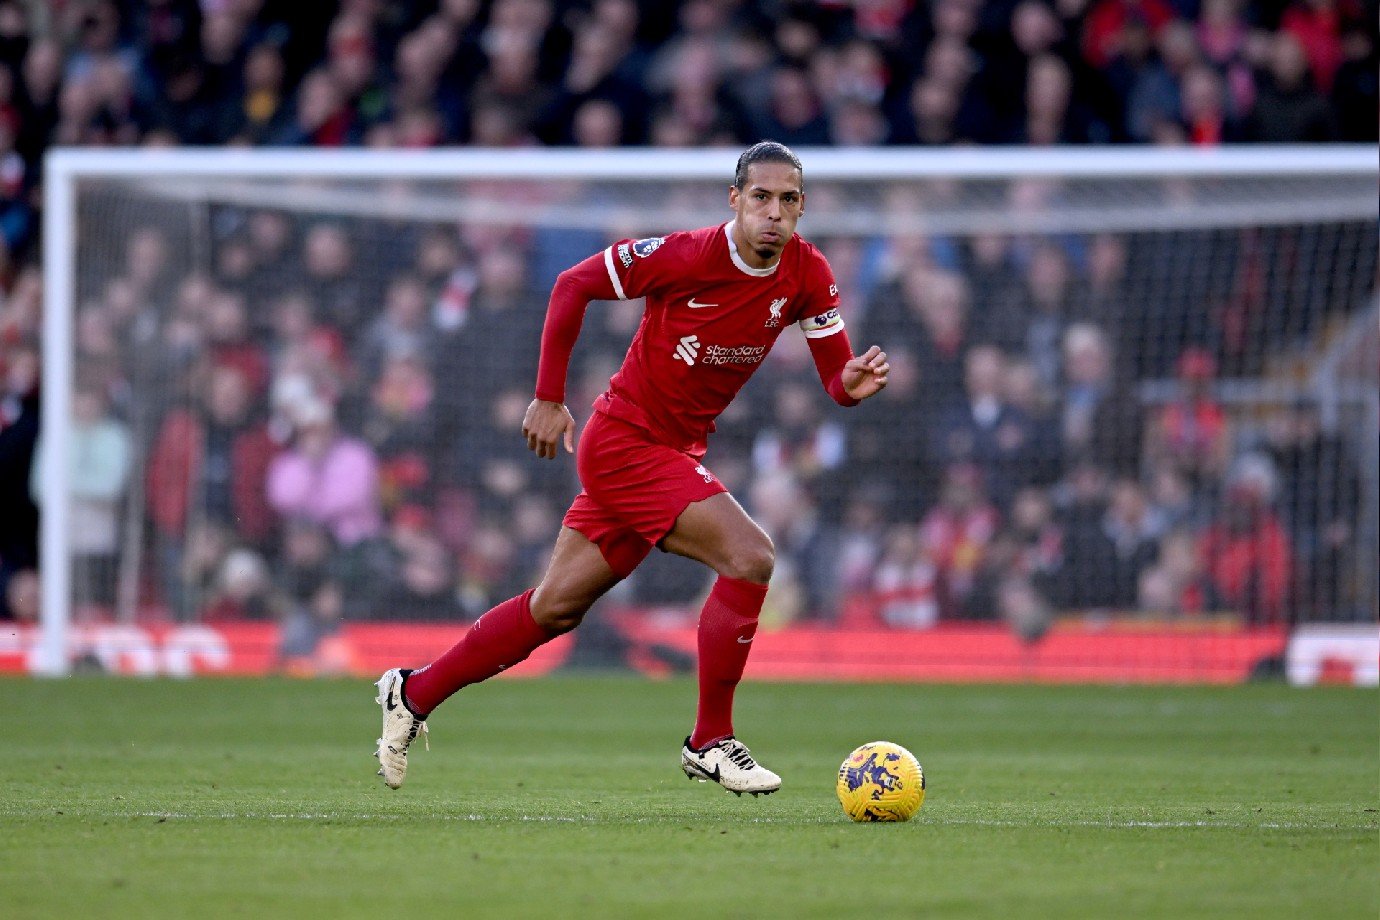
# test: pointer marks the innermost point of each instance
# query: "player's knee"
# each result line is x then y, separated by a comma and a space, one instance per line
752, 561
557, 614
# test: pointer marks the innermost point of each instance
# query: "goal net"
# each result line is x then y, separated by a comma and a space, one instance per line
1128, 398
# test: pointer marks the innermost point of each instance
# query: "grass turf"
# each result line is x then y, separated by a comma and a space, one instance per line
563, 797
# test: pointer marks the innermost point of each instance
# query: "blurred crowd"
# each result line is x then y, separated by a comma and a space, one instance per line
310, 435
603, 73
320, 422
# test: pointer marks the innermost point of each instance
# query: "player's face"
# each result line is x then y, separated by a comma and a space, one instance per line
768, 206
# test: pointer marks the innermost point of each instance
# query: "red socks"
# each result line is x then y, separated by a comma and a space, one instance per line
507, 634
499, 639
727, 626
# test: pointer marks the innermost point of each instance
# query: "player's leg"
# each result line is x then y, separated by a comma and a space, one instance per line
719, 533
576, 577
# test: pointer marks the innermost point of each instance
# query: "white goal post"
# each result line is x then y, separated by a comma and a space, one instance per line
1319, 183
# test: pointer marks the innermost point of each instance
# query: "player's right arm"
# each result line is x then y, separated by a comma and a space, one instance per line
623, 271
548, 423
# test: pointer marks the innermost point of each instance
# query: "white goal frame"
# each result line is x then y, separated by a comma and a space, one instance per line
65, 168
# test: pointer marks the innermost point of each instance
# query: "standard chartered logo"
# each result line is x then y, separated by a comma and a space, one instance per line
688, 349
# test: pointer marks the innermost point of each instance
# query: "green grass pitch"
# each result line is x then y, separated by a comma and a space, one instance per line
563, 797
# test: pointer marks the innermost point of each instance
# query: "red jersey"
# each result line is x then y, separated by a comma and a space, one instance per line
710, 321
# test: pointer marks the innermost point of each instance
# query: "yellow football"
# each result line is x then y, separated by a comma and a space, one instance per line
881, 781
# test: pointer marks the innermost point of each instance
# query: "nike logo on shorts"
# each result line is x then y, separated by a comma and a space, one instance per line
742, 641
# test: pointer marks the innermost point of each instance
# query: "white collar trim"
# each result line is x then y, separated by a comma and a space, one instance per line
738, 260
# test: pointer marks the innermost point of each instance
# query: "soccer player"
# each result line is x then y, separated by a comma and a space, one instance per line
717, 298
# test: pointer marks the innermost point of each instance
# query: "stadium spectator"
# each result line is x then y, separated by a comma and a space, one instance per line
1190, 433
862, 526
888, 443
207, 468
1001, 591
1154, 94
41, 75
243, 590
271, 240
1022, 391
328, 260
327, 477
502, 305
907, 588
487, 569
1101, 418
310, 587
1245, 550
800, 439
419, 582
260, 108
1356, 91
1035, 325
1107, 20
1174, 498
1133, 527
794, 113
402, 330
1177, 585
929, 310
1039, 543
989, 263
1106, 295
399, 424
788, 509
229, 342
1288, 108
1204, 110
100, 458
19, 408
931, 114
1081, 502
986, 431
1320, 493
955, 533
497, 471
320, 116
1317, 27
22, 598
1052, 114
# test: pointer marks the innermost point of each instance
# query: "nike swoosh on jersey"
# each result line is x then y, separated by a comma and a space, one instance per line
699, 306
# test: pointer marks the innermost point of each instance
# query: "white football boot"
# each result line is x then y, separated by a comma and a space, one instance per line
729, 763
400, 729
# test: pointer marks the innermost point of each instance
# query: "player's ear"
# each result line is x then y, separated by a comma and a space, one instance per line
733, 197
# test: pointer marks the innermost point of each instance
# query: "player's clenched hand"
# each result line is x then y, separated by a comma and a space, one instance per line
865, 375
545, 425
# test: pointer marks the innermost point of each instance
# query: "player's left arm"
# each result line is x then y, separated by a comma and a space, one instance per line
848, 379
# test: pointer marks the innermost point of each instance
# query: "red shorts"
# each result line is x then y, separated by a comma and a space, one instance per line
634, 489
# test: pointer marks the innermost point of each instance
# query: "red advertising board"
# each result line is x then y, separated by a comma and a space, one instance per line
1070, 652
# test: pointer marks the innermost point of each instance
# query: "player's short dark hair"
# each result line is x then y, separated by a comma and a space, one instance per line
765, 152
